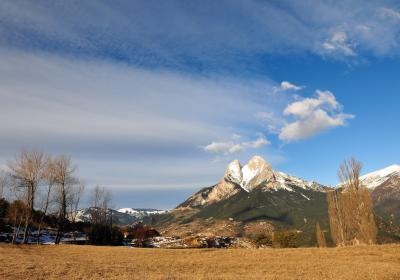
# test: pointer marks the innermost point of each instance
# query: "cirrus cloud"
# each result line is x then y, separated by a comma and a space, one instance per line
231, 147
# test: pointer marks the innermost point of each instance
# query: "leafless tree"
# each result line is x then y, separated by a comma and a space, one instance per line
17, 214
96, 199
28, 171
50, 181
105, 205
349, 174
99, 212
63, 172
350, 208
74, 200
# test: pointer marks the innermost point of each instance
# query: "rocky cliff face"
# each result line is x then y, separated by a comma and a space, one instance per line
256, 174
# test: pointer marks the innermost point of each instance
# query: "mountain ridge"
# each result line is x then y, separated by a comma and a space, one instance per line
255, 198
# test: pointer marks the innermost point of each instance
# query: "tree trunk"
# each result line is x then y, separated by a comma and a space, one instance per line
46, 205
29, 214
16, 232
62, 216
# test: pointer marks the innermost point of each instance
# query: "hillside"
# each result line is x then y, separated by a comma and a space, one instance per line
250, 200
384, 185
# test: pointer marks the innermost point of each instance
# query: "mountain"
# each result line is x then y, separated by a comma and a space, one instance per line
384, 185
123, 216
248, 200
378, 178
256, 174
141, 212
255, 198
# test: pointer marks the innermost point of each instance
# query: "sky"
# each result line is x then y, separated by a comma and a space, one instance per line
153, 99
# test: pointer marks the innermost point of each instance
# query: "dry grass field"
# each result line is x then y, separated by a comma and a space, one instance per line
88, 262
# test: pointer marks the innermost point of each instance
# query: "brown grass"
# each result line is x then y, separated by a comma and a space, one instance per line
88, 262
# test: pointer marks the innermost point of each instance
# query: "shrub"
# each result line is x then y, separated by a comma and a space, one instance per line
285, 239
263, 240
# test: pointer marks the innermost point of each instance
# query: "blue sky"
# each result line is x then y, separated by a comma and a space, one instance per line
152, 99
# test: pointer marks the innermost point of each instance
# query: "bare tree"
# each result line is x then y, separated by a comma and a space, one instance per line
100, 216
63, 176
350, 208
17, 214
100, 200
74, 200
349, 174
28, 171
95, 198
50, 180
105, 204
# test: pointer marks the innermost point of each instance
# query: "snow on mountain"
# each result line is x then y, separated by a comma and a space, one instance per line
257, 173
377, 178
140, 213
123, 216
234, 172
286, 181
254, 173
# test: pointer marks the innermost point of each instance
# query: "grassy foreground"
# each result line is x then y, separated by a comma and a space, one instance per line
89, 262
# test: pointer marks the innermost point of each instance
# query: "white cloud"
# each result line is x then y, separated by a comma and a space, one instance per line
312, 116
308, 105
338, 43
285, 85
231, 147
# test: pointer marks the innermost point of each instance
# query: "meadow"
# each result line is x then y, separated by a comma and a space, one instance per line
90, 262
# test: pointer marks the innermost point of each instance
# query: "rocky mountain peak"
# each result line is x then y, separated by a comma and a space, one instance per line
253, 174
256, 172
234, 172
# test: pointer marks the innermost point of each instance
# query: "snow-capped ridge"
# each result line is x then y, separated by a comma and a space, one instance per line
255, 172
140, 213
376, 178
259, 172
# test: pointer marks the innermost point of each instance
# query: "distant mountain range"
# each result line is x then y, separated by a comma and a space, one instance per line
254, 199
123, 216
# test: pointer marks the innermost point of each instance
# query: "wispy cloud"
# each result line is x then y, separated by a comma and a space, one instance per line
181, 35
338, 43
109, 113
232, 147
